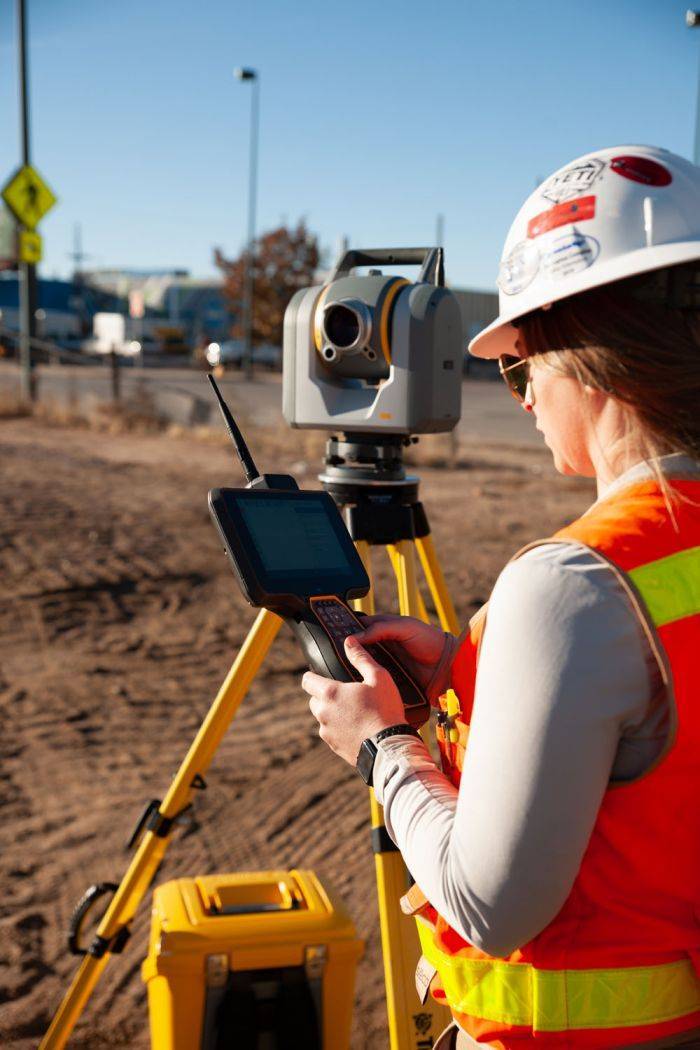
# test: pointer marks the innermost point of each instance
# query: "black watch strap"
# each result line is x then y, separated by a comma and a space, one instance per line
399, 730
368, 749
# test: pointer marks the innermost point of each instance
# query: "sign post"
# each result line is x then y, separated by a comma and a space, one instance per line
28, 198
28, 288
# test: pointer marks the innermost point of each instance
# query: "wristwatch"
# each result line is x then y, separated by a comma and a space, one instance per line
368, 748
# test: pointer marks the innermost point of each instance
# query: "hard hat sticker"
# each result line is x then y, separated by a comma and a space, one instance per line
642, 169
518, 268
570, 254
562, 214
573, 181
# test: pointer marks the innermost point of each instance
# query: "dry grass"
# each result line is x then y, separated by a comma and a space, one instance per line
277, 441
138, 416
12, 407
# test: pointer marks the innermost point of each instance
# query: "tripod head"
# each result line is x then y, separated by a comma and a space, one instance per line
366, 459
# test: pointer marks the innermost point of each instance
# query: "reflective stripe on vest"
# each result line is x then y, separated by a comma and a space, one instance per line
560, 1000
670, 586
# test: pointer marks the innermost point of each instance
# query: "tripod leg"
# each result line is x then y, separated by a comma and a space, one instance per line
366, 604
402, 556
436, 584
400, 946
395, 564
392, 882
151, 850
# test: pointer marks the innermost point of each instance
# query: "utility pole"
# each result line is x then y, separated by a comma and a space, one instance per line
27, 283
692, 19
77, 255
252, 75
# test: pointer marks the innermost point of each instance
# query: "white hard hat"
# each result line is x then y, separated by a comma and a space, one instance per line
609, 215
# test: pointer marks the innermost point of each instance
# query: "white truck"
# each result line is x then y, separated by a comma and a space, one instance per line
110, 333
131, 336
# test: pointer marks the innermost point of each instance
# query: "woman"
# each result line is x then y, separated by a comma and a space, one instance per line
560, 851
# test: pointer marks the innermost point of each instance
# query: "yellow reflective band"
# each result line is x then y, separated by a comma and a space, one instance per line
561, 1000
670, 586
384, 322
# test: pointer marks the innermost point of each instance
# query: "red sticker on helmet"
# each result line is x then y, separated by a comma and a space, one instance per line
561, 215
642, 169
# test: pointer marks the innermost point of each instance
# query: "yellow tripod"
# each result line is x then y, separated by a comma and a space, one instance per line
399, 524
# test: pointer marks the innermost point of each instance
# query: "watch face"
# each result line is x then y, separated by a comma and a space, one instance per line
365, 761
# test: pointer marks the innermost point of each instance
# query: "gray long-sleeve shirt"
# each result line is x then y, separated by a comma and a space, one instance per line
568, 697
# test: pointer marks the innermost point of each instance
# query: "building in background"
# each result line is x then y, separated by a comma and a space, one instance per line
169, 310
172, 300
65, 308
169, 297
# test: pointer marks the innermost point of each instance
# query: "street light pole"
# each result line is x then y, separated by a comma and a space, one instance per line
253, 76
27, 283
439, 230
692, 19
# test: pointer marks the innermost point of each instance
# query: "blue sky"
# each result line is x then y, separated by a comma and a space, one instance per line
375, 117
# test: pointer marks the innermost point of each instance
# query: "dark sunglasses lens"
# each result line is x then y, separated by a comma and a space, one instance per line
520, 381
515, 372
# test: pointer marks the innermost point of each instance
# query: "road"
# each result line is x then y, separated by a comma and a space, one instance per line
489, 413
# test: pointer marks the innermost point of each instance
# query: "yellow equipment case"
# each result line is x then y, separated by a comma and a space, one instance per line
250, 961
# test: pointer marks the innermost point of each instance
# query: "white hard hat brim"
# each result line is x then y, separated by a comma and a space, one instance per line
501, 335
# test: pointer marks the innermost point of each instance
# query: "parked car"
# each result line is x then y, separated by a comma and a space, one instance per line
232, 351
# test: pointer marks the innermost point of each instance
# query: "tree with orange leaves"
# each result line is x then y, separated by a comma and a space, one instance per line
284, 261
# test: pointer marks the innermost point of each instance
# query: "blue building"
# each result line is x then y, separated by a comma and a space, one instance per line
64, 309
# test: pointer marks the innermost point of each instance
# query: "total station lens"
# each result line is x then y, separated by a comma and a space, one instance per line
342, 326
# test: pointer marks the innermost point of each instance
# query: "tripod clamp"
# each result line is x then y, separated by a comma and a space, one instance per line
150, 820
153, 820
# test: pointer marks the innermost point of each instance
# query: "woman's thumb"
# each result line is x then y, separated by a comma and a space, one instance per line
359, 657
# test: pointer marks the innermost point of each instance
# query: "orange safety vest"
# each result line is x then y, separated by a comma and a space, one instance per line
619, 964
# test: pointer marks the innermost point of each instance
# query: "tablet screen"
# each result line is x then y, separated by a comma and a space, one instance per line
294, 533
288, 542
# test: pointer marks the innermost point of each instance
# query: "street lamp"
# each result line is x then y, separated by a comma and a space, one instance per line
692, 19
252, 75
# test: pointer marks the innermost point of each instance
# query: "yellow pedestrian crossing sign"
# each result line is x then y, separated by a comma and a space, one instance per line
27, 196
30, 246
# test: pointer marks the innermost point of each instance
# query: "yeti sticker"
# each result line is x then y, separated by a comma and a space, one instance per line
573, 181
518, 268
570, 254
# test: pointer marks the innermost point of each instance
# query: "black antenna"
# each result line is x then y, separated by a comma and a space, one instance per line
251, 471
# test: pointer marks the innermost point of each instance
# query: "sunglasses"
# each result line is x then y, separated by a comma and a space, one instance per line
516, 373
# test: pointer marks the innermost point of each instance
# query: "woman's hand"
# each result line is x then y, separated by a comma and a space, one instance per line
419, 645
349, 712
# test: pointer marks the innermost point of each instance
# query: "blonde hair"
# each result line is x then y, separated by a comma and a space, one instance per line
639, 341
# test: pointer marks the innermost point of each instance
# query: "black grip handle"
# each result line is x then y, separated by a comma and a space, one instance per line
80, 912
324, 649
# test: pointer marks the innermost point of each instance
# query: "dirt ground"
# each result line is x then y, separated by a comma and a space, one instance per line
118, 621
